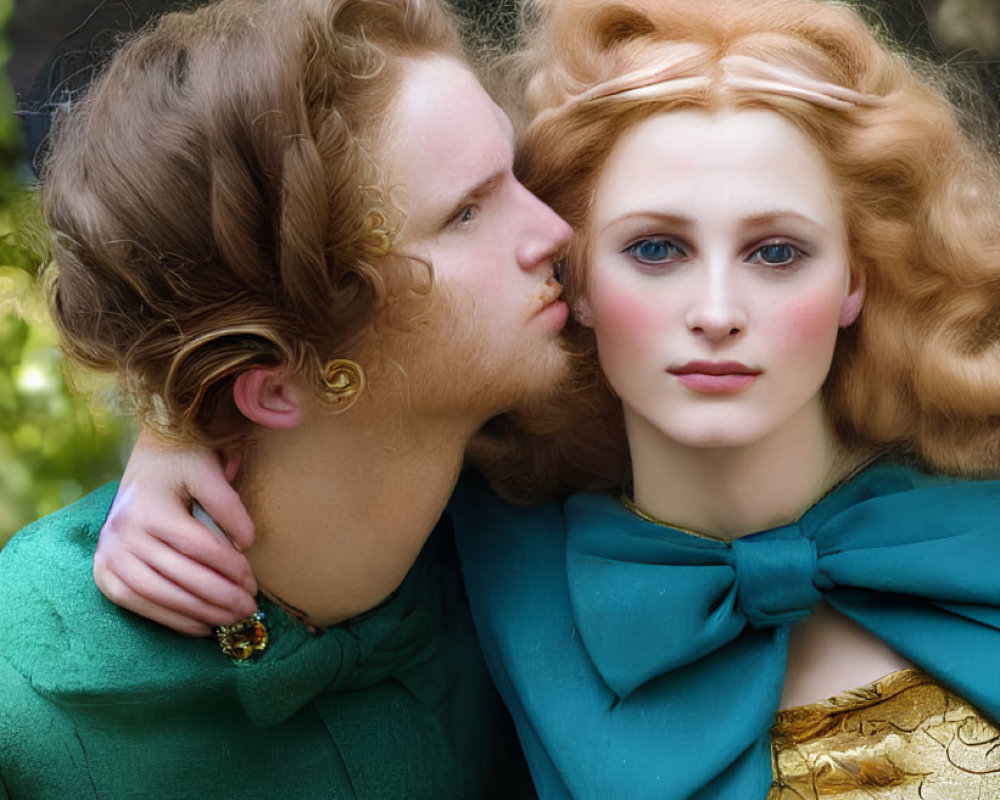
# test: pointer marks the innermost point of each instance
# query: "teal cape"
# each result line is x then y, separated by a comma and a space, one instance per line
640, 661
96, 702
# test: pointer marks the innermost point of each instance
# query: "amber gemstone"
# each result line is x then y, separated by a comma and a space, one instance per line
246, 640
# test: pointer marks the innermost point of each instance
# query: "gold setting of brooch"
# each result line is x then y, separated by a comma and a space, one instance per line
245, 640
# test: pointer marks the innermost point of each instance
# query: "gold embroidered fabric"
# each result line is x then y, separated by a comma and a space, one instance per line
904, 737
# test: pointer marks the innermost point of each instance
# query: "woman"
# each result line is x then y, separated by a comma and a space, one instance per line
786, 263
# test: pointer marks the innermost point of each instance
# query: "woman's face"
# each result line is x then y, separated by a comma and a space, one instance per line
718, 275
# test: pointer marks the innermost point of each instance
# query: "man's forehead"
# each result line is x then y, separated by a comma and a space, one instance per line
441, 103
448, 136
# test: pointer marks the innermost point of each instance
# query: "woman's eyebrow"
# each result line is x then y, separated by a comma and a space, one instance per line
771, 216
672, 219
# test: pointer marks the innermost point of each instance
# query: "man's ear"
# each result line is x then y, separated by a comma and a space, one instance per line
851, 306
581, 310
267, 396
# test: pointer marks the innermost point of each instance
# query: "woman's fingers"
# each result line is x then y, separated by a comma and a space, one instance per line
217, 601
120, 594
199, 543
133, 527
223, 504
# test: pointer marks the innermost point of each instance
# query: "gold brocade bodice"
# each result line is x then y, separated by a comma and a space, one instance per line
903, 737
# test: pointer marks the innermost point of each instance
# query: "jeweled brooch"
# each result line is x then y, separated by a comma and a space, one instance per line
245, 640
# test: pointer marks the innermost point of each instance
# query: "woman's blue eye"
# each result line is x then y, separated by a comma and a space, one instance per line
467, 214
775, 255
655, 251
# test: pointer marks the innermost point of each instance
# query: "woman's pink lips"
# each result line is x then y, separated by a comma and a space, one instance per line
715, 377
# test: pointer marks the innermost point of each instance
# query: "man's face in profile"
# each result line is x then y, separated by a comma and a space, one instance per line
489, 241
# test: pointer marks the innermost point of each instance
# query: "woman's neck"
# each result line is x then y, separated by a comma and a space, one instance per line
728, 492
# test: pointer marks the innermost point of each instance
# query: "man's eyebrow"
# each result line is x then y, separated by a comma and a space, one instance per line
477, 192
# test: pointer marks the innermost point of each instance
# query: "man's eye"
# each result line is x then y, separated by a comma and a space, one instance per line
467, 214
655, 251
775, 255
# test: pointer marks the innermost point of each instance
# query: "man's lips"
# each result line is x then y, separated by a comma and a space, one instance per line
550, 307
715, 377
551, 291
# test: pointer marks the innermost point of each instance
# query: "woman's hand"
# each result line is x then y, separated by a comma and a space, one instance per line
156, 559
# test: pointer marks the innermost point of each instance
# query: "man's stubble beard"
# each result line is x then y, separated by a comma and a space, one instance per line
445, 358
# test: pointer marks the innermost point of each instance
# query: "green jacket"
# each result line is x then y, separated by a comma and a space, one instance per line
96, 702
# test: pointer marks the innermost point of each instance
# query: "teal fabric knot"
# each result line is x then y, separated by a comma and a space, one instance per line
775, 579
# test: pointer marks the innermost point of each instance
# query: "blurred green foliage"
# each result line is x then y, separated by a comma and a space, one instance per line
55, 444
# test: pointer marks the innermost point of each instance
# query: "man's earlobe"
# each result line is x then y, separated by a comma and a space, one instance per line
265, 395
581, 311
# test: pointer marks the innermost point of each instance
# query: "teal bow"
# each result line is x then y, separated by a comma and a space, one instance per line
647, 662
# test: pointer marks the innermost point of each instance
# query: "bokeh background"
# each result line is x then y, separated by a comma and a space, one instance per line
60, 433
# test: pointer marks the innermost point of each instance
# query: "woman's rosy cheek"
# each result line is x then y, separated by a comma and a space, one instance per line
810, 321
629, 313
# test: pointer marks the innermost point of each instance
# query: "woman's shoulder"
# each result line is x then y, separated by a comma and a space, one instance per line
895, 481
507, 552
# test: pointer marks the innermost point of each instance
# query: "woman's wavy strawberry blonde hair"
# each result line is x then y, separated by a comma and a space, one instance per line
216, 201
920, 370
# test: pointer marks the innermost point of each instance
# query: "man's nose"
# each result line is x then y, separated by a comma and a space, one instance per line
544, 235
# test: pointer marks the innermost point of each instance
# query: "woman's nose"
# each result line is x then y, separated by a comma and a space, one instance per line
716, 311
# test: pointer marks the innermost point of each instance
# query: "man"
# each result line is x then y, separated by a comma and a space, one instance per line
293, 230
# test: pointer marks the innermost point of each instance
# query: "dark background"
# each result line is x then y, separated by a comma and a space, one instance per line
57, 44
